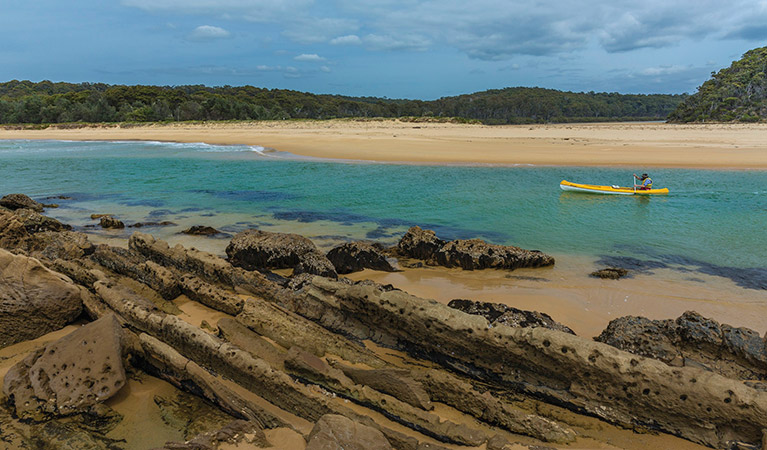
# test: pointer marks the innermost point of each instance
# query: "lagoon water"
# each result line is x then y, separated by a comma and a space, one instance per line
712, 222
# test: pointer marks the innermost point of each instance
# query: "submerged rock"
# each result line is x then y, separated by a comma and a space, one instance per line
498, 314
70, 375
692, 340
256, 249
33, 299
333, 431
201, 230
356, 256
164, 223
111, 223
612, 273
20, 201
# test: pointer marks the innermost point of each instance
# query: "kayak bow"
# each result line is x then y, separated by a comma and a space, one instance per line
615, 190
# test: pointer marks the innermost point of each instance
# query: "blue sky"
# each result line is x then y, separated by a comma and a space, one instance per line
393, 48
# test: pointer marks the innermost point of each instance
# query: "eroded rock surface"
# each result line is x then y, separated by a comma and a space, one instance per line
201, 230
355, 256
499, 314
19, 201
257, 249
692, 340
468, 254
110, 222
333, 432
70, 375
33, 299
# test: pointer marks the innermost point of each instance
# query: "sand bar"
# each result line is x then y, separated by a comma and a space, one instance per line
640, 145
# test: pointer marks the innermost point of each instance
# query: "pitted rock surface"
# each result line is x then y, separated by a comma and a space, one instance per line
110, 222
355, 256
692, 340
33, 299
70, 375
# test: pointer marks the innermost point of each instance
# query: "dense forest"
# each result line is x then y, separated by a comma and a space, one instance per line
26, 102
737, 93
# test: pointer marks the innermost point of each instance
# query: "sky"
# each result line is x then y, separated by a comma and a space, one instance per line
383, 48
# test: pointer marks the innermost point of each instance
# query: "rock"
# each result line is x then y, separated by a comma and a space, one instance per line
612, 273
211, 296
131, 264
396, 382
475, 254
238, 433
420, 244
256, 249
498, 314
17, 226
99, 216
241, 336
469, 254
20, 201
33, 299
70, 375
201, 230
164, 223
692, 340
355, 256
110, 222
333, 432
577, 373
66, 245
447, 388
315, 263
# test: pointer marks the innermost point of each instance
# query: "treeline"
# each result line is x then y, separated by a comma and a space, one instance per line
45, 102
737, 93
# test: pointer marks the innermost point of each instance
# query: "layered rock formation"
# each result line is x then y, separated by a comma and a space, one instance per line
355, 256
498, 314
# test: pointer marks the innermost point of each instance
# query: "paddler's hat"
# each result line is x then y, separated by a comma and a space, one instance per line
644, 175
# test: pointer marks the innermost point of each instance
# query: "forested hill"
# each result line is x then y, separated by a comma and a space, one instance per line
48, 102
737, 93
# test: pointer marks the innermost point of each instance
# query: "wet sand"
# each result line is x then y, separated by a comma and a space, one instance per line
707, 146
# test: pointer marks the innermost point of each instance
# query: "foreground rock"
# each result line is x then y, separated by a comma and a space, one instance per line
498, 314
19, 201
468, 254
356, 256
17, 226
33, 300
586, 376
70, 375
692, 340
257, 249
333, 432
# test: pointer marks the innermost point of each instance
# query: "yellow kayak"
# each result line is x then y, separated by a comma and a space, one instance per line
616, 190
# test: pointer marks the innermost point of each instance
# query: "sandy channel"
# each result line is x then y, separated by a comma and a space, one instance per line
706, 146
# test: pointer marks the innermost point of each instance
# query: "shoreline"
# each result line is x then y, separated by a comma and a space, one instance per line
637, 144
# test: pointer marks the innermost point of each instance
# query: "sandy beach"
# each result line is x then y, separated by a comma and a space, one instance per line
639, 145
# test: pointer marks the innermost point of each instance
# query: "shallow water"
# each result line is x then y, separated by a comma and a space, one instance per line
711, 223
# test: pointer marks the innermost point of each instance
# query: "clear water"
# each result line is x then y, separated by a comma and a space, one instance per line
712, 220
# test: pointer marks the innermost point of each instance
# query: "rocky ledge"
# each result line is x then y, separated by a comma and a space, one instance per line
302, 356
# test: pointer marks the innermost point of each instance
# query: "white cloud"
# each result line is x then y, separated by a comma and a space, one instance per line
309, 58
208, 33
349, 39
325, 69
663, 70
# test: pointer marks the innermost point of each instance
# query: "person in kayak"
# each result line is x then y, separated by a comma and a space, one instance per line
646, 182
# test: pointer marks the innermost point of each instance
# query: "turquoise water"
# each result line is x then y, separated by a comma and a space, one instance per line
712, 221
